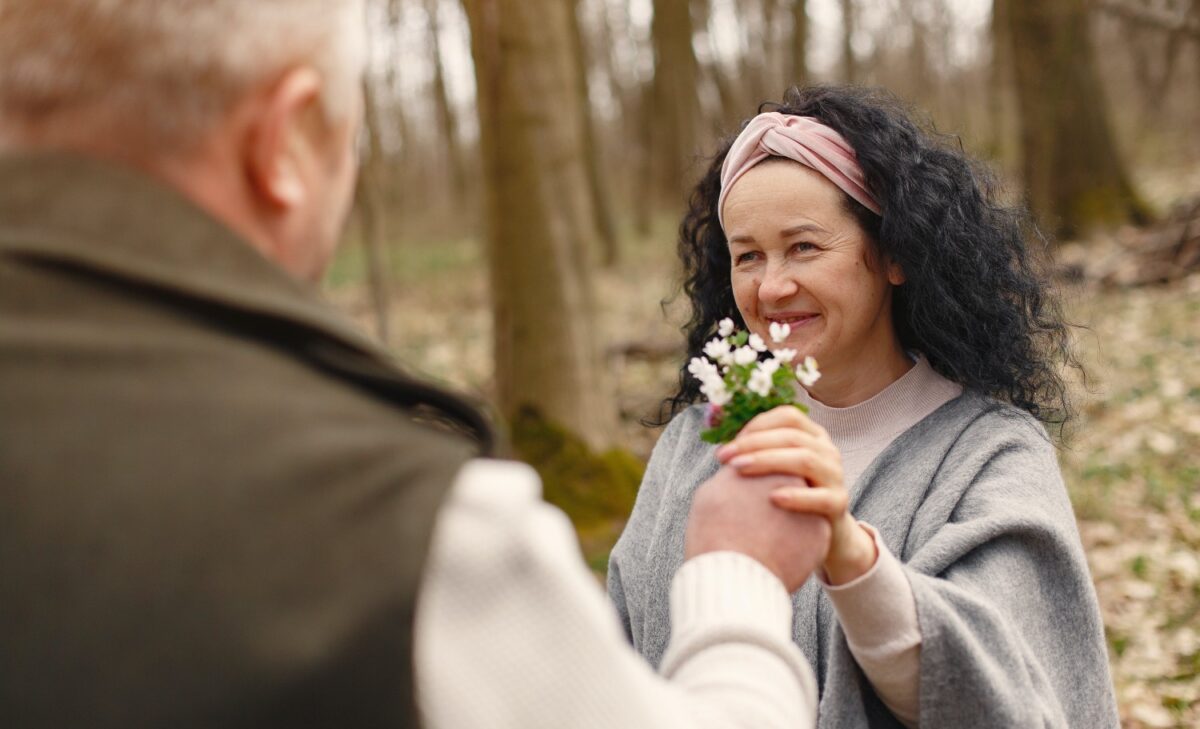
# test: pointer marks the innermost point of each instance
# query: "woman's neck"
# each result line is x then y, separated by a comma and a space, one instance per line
842, 387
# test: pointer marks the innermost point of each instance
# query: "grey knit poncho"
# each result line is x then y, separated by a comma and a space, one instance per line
971, 501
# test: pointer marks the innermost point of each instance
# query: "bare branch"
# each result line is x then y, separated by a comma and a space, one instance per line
1186, 22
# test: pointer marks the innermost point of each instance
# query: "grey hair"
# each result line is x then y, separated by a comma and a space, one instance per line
165, 70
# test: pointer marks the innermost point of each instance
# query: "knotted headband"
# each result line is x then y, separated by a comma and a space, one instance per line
799, 138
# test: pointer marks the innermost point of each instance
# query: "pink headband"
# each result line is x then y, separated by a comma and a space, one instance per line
799, 138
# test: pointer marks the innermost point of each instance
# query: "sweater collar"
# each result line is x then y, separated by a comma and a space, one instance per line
893, 410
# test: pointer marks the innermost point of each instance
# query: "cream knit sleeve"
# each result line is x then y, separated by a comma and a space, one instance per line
513, 631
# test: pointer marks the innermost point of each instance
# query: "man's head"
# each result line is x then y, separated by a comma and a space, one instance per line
249, 107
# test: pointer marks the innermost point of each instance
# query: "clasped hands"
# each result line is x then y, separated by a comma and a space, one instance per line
781, 499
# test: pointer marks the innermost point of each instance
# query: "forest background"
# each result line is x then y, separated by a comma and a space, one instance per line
525, 168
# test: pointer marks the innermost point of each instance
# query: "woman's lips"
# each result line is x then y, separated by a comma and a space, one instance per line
792, 320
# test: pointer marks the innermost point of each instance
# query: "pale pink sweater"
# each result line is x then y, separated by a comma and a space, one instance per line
877, 610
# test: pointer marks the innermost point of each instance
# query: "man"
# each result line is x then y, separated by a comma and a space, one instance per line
221, 506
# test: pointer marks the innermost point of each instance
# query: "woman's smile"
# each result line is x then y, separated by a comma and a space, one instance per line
795, 320
798, 257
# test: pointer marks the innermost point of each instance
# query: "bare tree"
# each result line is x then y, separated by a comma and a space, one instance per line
1000, 73
1073, 174
849, 61
732, 102
445, 113
799, 56
597, 182
675, 109
539, 215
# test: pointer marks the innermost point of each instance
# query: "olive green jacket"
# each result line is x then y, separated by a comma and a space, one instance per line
215, 496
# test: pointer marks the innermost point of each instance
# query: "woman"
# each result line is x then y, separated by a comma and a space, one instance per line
955, 592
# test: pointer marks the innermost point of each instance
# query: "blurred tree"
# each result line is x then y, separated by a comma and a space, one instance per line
539, 215
597, 182
1155, 59
731, 106
674, 114
755, 62
371, 213
798, 75
1073, 174
999, 144
445, 112
849, 62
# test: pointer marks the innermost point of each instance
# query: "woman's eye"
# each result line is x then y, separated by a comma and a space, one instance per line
746, 257
804, 247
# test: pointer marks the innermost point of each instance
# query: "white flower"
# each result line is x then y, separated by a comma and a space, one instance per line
703, 370
757, 344
718, 350
807, 373
784, 355
769, 367
759, 383
780, 332
716, 392
744, 356
725, 327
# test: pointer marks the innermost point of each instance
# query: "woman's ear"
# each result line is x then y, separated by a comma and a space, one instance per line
895, 273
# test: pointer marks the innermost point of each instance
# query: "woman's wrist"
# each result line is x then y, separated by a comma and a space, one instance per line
852, 553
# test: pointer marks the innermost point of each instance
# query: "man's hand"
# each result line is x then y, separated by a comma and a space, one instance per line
734, 513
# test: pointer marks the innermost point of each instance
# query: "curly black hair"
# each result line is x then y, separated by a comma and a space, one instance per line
977, 300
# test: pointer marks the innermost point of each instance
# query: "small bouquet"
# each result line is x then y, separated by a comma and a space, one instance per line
739, 385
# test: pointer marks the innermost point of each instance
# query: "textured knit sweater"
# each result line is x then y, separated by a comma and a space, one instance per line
514, 633
971, 501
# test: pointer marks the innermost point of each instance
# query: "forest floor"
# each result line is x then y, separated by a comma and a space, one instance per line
1131, 461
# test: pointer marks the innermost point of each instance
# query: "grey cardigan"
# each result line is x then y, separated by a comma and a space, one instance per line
971, 501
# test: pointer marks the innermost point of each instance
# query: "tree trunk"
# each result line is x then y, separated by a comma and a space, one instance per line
1074, 177
373, 217
1000, 86
445, 114
675, 111
849, 62
730, 105
799, 69
644, 189
398, 164
597, 182
754, 62
539, 215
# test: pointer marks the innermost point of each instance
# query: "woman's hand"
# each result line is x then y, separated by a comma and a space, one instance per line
786, 441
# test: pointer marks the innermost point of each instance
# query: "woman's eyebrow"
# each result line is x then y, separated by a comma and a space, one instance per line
785, 233
802, 228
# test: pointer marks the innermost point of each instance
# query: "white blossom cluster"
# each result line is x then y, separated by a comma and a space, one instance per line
721, 354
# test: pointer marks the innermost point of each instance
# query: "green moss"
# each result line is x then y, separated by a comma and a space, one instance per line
596, 490
1104, 206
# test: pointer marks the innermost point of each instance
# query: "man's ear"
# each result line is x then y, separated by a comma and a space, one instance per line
280, 142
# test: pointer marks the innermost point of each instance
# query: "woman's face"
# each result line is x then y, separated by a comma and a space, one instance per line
799, 257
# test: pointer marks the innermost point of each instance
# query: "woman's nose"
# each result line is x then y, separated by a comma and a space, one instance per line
777, 285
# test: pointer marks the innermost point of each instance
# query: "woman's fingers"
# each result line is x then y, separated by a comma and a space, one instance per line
829, 503
767, 440
816, 466
784, 416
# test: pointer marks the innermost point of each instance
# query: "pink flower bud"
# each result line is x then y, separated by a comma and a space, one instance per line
712, 415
